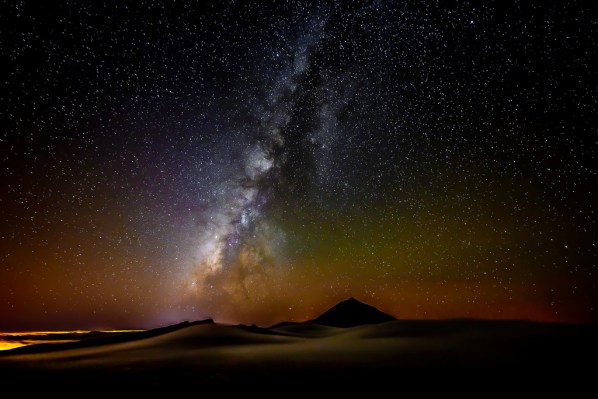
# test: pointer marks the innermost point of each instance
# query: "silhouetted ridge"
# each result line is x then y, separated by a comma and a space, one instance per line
352, 313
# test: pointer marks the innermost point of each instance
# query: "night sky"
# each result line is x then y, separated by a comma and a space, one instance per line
256, 162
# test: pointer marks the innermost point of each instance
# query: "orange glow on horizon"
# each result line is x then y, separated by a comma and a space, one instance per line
7, 344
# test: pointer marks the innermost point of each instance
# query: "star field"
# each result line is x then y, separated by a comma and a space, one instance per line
256, 162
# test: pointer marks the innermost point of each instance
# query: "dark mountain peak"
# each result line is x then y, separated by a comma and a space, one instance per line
351, 300
350, 313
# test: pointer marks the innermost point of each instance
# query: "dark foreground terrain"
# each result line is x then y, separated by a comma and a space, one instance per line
395, 353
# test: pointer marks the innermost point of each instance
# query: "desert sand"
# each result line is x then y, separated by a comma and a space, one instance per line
391, 353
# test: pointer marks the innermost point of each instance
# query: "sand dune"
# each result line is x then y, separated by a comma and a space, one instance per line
217, 354
357, 347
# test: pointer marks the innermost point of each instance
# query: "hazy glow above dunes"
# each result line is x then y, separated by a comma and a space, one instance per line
258, 162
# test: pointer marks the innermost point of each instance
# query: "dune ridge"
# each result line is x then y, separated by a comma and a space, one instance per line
210, 353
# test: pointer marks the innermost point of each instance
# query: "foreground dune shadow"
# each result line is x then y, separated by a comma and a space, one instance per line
390, 353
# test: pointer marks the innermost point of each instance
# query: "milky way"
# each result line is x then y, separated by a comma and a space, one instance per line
238, 241
257, 162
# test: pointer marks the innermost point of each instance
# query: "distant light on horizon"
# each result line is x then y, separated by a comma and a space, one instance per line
12, 340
